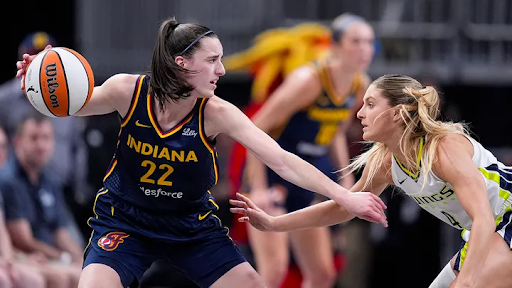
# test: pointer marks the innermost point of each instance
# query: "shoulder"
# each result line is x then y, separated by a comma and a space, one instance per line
453, 156
453, 145
218, 107
220, 117
121, 82
119, 88
306, 75
302, 85
120, 85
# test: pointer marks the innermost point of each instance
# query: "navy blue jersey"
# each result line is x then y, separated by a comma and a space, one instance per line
309, 132
162, 170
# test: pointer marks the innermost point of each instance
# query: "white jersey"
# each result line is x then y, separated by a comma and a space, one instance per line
438, 197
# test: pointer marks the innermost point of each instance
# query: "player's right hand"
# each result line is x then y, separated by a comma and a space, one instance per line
252, 213
23, 64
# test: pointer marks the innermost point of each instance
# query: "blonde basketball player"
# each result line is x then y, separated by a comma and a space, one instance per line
437, 164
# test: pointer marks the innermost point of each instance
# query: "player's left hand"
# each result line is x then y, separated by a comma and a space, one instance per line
252, 213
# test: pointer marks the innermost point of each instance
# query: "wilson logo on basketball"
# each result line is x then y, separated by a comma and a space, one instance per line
112, 240
51, 73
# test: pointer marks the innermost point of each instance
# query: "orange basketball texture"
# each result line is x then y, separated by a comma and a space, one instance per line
59, 82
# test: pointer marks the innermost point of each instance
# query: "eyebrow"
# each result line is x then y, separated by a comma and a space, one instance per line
213, 57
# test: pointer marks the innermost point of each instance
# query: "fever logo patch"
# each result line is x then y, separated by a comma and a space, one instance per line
110, 241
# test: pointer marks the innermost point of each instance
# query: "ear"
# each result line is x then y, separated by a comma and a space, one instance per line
396, 113
180, 61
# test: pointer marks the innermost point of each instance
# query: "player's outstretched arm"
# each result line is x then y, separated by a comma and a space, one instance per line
327, 213
223, 117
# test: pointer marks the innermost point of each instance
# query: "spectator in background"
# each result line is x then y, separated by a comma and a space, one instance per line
18, 270
69, 138
13, 275
35, 210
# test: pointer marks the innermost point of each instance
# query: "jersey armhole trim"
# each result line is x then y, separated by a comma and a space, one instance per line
135, 100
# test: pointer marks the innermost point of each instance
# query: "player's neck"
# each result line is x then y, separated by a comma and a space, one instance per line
394, 146
175, 110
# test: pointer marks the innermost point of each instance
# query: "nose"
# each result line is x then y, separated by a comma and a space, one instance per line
220, 71
360, 114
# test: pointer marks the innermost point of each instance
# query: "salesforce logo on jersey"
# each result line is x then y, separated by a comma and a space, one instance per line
160, 192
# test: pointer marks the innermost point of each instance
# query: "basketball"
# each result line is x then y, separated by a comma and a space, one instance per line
59, 82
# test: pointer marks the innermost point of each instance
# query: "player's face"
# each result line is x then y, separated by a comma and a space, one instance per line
207, 62
36, 142
378, 118
356, 46
3, 147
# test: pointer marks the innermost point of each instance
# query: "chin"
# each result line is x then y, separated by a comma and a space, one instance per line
367, 137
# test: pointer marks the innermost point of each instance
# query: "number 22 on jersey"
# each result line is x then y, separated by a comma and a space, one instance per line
152, 167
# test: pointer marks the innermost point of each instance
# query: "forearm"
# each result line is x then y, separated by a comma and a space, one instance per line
324, 214
39, 246
301, 173
478, 249
255, 173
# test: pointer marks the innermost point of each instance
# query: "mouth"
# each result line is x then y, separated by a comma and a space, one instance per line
214, 82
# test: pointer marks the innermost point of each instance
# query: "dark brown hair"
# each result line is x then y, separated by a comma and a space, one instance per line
174, 39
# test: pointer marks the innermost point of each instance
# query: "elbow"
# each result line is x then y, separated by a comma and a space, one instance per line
280, 163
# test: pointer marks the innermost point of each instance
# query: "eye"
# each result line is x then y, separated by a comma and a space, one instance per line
370, 105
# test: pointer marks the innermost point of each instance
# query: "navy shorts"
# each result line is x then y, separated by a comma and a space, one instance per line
129, 240
297, 197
